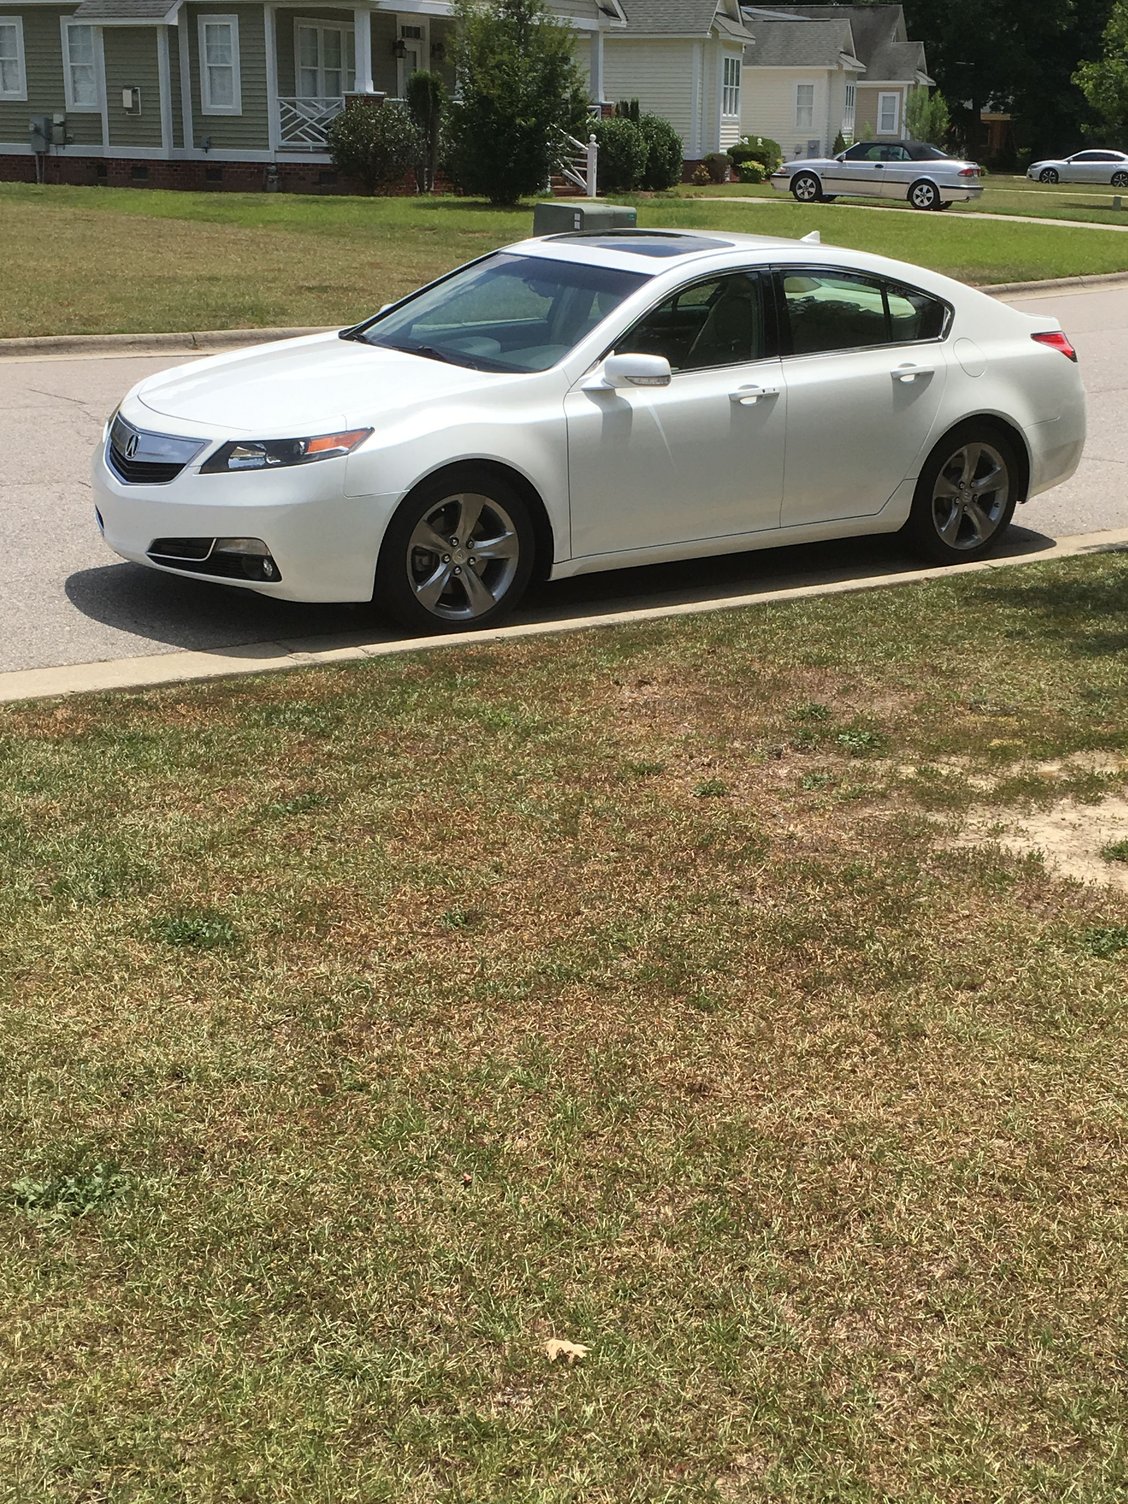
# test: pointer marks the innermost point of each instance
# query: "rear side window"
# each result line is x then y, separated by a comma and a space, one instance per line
829, 310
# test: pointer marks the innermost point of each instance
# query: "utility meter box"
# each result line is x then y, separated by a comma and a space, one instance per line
563, 218
39, 132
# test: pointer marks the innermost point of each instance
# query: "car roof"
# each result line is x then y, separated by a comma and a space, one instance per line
648, 251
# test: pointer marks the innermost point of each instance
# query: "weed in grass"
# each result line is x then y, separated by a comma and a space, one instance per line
859, 742
1104, 940
206, 930
1115, 851
73, 1193
644, 768
711, 788
810, 782
813, 711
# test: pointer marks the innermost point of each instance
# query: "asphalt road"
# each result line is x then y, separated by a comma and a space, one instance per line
67, 600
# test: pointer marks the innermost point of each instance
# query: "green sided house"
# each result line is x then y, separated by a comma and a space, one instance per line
179, 94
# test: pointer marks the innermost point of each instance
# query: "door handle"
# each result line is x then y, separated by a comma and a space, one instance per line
911, 372
747, 395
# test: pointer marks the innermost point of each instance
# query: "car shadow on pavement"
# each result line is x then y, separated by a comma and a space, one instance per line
198, 616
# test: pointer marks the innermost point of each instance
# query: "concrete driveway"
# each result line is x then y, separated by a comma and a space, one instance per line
68, 601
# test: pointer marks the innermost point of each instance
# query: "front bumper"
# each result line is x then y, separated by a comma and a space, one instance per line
324, 544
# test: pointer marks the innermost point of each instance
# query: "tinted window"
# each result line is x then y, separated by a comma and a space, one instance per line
844, 311
506, 313
920, 151
717, 322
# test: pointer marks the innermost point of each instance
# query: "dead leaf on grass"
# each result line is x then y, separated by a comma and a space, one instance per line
571, 1352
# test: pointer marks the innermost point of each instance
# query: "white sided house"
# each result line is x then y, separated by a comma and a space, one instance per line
192, 94
682, 59
815, 71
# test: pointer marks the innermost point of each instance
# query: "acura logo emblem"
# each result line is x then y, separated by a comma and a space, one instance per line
131, 447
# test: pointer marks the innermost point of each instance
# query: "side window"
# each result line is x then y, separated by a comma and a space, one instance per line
719, 322
829, 310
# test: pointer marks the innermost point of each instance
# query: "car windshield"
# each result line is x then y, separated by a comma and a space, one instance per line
506, 313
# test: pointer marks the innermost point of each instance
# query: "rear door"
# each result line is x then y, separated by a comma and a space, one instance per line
864, 370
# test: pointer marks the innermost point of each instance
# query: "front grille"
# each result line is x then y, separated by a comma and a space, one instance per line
141, 458
141, 472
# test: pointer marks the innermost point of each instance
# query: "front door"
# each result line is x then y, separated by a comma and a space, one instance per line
410, 55
699, 459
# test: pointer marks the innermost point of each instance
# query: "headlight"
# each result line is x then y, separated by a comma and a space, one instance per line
270, 454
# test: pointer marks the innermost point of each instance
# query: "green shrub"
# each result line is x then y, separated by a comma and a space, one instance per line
519, 88
719, 164
663, 153
377, 145
701, 175
839, 144
628, 109
752, 172
426, 101
760, 149
622, 154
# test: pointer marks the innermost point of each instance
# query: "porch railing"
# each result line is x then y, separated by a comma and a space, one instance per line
303, 122
578, 162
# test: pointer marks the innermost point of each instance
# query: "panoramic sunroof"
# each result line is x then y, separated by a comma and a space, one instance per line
639, 243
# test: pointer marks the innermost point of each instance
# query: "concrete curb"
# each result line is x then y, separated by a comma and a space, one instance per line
271, 657
138, 344
1097, 279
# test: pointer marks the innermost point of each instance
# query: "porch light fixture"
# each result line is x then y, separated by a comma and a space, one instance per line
399, 47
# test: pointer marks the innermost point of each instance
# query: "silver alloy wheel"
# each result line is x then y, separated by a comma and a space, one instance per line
1120, 180
1047, 175
923, 196
462, 556
970, 495
805, 188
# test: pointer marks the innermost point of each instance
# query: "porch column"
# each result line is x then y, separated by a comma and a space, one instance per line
362, 37
273, 115
597, 66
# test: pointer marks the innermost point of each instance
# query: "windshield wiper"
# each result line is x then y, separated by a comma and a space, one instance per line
427, 351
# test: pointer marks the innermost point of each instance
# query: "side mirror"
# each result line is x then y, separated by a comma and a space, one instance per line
634, 370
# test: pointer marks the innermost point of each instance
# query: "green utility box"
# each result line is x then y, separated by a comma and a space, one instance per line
563, 217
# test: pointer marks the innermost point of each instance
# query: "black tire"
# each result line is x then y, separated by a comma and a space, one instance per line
1048, 175
830, 198
435, 574
965, 496
806, 188
924, 195
1120, 180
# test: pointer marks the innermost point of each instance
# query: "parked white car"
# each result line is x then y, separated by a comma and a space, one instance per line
909, 172
1083, 167
584, 402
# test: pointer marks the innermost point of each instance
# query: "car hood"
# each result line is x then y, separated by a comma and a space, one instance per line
298, 387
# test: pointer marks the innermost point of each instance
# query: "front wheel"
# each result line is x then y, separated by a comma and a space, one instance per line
965, 497
1047, 175
457, 555
1120, 180
924, 195
806, 188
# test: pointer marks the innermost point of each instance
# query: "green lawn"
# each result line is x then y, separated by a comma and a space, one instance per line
80, 260
365, 1029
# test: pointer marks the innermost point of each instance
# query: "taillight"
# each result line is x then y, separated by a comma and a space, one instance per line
1057, 341
969, 172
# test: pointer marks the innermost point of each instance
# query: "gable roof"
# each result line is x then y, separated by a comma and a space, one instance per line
814, 44
132, 12
881, 39
683, 18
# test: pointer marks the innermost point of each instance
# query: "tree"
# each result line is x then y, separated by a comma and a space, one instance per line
1104, 82
926, 117
663, 153
376, 144
426, 98
520, 87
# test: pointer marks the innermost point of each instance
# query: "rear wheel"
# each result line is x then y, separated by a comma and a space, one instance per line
924, 195
1047, 175
1120, 180
806, 188
457, 555
965, 496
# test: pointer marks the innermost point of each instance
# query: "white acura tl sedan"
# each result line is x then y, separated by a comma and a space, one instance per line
584, 402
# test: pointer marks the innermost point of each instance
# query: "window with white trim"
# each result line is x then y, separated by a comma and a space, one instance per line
804, 107
850, 109
80, 67
730, 86
220, 92
13, 72
324, 54
888, 114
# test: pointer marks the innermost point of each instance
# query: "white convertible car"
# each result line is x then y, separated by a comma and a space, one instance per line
583, 402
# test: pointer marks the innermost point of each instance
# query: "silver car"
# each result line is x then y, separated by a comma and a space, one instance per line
909, 171
1083, 167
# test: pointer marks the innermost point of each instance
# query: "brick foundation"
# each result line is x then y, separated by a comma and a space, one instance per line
201, 176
